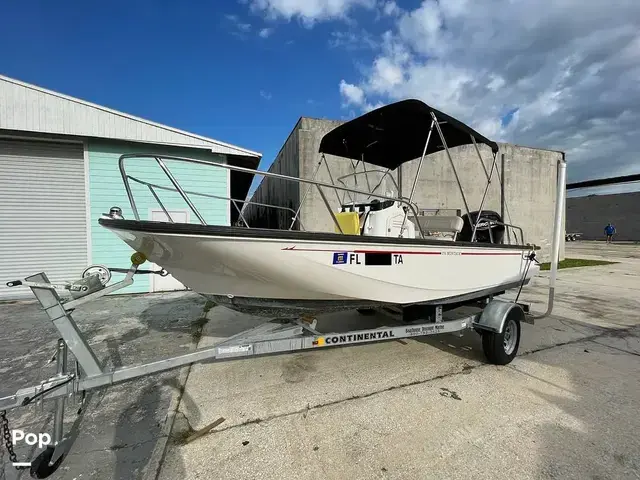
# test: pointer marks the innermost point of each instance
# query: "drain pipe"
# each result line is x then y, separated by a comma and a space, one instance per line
561, 191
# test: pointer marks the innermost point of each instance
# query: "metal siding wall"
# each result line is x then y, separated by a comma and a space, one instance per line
24, 107
107, 190
589, 215
42, 212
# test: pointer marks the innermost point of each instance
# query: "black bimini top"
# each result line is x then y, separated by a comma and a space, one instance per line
394, 134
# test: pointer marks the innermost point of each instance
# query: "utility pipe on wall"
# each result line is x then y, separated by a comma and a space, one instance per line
502, 187
558, 233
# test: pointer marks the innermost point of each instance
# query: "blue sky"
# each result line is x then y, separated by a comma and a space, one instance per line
244, 71
192, 65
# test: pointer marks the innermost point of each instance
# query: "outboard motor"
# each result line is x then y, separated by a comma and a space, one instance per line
489, 221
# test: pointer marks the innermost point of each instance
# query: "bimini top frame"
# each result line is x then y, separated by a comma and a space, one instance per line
394, 134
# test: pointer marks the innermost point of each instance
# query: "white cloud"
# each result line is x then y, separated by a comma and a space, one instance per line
387, 74
265, 95
571, 75
240, 26
367, 107
496, 83
422, 28
391, 8
308, 11
352, 94
265, 32
353, 41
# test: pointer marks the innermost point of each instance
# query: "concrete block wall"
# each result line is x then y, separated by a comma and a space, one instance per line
273, 191
589, 215
530, 177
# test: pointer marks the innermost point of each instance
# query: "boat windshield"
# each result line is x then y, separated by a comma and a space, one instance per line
374, 181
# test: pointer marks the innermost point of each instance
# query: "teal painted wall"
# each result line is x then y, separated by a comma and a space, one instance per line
107, 189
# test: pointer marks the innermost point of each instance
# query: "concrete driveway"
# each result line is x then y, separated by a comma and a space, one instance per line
123, 429
419, 408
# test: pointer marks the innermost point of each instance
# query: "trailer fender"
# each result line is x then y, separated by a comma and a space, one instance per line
495, 315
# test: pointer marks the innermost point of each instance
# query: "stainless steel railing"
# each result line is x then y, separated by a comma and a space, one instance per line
385, 173
160, 160
233, 201
318, 184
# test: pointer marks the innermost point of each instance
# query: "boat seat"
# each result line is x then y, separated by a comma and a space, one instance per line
439, 223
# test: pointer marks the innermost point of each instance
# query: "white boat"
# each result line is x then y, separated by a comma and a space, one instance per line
381, 253
245, 268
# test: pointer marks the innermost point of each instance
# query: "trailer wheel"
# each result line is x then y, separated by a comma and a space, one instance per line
40, 467
502, 348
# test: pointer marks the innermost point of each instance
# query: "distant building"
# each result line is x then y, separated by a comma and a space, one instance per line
529, 178
589, 215
59, 173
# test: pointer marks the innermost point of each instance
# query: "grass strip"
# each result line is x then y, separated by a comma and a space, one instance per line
576, 262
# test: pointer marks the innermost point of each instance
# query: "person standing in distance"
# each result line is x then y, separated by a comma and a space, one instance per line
609, 230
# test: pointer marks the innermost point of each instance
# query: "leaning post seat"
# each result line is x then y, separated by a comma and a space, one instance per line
439, 223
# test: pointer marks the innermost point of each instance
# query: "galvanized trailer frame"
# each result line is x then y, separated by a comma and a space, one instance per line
276, 336
489, 316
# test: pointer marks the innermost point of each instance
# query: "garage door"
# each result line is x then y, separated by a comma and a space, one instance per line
43, 223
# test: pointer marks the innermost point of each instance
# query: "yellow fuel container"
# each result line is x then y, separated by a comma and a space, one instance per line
349, 222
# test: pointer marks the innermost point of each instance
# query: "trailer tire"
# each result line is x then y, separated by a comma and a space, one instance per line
502, 348
40, 467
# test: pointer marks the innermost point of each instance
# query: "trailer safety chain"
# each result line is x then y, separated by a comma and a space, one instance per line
532, 258
4, 424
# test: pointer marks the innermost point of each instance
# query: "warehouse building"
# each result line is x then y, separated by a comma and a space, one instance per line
528, 179
59, 172
589, 215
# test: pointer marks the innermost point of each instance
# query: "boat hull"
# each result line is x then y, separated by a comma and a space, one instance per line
356, 272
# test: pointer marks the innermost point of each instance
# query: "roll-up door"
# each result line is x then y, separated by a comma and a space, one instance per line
43, 223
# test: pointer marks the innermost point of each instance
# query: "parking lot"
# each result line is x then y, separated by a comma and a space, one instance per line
418, 408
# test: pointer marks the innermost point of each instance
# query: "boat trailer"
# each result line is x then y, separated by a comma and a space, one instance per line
498, 321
